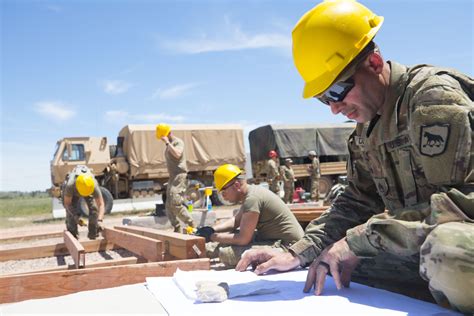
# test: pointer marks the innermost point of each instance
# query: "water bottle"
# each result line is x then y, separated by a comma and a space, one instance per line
190, 206
209, 204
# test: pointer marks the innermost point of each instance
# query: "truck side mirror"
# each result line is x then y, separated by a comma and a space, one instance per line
103, 143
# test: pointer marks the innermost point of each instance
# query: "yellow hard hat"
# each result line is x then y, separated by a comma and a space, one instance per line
85, 184
327, 38
224, 174
162, 130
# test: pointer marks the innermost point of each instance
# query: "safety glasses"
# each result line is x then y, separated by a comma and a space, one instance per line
337, 92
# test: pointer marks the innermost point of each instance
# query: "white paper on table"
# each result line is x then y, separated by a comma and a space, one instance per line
240, 283
357, 300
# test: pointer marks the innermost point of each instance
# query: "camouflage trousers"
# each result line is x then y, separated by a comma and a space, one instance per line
442, 273
230, 255
315, 189
274, 186
289, 191
447, 263
175, 203
71, 219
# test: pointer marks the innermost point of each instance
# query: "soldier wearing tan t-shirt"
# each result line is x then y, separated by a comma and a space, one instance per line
262, 221
177, 183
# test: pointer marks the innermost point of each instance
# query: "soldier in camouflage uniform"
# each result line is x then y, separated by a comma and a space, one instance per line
315, 174
177, 183
80, 182
411, 154
273, 174
288, 176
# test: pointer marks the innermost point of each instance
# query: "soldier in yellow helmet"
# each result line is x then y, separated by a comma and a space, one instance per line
410, 154
81, 183
263, 221
177, 183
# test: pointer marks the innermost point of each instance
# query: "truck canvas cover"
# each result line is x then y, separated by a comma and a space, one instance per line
206, 147
298, 140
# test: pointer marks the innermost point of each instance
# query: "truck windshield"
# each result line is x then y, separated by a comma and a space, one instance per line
77, 153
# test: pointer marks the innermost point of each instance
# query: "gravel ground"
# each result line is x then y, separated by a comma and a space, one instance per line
29, 265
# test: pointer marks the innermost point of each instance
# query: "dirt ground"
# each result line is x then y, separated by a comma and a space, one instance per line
22, 266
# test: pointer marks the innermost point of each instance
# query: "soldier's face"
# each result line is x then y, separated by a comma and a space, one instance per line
362, 102
228, 192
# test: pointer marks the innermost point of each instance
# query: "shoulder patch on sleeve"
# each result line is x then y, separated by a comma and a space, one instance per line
442, 136
434, 139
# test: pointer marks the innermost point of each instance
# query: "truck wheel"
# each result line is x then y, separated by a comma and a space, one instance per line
108, 201
325, 184
194, 194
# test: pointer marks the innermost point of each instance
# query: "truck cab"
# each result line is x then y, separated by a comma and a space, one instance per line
72, 151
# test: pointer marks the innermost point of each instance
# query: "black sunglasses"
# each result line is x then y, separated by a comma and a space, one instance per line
337, 92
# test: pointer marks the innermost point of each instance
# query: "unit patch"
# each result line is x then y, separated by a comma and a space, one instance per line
433, 139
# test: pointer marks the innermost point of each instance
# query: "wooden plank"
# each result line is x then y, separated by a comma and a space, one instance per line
177, 245
306, 213
106, 263
28, 236
327, 168
59, 249
76, 250
41, 285
307, 216
143, 246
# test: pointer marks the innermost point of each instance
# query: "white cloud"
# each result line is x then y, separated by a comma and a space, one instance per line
115, 86
54, 110
234, 39
174, 92
125, 117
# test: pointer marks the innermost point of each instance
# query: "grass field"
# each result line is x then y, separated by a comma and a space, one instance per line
21, 211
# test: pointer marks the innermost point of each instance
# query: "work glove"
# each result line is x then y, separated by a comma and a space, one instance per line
206, 232
100, 226
82, 222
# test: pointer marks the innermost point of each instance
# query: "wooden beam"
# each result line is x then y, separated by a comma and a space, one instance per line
33, 286
59, 249
306, 213
143, 246
29, 236
76, 250
177, 245
106, 263
307, 216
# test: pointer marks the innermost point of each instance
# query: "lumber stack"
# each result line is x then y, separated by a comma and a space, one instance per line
306, 213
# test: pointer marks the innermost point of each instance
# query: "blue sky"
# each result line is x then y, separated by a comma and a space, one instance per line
88, 68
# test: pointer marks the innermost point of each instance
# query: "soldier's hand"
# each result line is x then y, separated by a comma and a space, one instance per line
263, 260
100, 226
165, 139
337, 259
206, 232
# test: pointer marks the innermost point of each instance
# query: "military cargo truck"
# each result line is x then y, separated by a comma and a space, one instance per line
135, 167
295, 141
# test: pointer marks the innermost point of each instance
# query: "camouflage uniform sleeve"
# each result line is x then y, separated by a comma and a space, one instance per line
354, 206
272, 169
440, 108
97, 193
69, 187
285, 173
